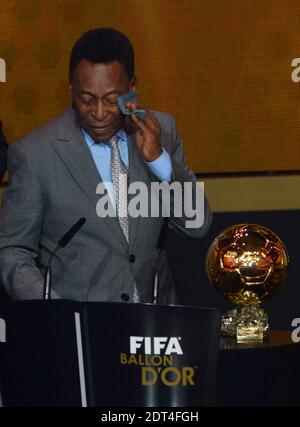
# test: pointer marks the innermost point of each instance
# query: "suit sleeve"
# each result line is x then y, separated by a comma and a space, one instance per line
21, 217
190, 215
3, 149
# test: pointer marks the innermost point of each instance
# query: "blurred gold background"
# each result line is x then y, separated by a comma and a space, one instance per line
222, 67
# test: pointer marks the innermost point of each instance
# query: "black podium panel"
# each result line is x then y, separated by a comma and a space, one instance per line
150, 355
39, 358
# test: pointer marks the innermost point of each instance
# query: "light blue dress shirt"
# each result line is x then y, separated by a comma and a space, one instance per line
101, 153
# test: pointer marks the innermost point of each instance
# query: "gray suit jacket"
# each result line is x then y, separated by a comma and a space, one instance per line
3, 149
52, 183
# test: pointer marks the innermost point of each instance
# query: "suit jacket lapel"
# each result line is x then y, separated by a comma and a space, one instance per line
74, 152
137, 173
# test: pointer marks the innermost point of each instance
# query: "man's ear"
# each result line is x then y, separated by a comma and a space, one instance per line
133, 83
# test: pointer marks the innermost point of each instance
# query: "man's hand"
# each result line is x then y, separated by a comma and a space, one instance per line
147, 135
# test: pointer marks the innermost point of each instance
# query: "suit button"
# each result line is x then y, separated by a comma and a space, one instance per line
125, 297
132, 259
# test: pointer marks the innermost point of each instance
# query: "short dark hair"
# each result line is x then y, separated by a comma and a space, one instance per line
103, 45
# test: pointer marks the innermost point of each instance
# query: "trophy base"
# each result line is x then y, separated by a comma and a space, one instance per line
245, 324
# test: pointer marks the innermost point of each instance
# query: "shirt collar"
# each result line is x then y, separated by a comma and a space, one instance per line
121, 134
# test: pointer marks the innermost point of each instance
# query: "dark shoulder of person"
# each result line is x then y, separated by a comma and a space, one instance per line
3, 152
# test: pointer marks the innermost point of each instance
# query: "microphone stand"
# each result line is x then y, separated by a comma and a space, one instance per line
47, 279
61, 244
155, 286
160, 247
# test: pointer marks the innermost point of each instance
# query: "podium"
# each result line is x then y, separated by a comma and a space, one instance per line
39, 363
65, 353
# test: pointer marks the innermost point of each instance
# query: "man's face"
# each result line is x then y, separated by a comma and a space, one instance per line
95, 89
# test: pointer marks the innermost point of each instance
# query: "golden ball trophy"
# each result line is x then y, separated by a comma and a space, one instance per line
247, 264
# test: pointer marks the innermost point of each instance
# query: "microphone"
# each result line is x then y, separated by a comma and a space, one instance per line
160, 246
61, 244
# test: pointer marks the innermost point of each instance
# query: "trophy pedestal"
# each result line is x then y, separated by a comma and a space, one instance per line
245, 324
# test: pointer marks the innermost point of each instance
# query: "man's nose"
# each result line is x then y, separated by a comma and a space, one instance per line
99, 110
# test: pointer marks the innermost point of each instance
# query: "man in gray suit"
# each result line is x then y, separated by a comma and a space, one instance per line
53, 176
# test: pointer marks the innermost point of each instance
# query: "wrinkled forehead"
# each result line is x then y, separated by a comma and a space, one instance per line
105, 74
